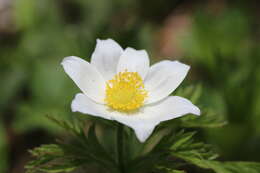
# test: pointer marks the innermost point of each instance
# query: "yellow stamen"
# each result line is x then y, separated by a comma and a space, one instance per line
125, 92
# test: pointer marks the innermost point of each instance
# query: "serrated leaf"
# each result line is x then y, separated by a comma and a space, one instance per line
81, 149
185, 146
50, 158
69, 126
223, 167
192, 92
206, 120
162, 155
203, 156
183, 138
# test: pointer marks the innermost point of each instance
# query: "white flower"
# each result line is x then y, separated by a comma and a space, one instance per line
119, 85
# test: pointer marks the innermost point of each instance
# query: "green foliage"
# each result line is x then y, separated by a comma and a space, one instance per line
213, 39
33, 82
171, 152
44, 33
222, 50
210, 117
201, 155
82, 148
87, 146
206, 120
183, 144
225, 56
223, 167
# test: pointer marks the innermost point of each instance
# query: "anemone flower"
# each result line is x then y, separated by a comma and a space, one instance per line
120, 85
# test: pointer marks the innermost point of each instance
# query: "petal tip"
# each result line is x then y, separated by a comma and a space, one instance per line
131, 49
73, 103
196, 111
144, 132
67, 59
98, 40
141, 138
187, 67
64, 60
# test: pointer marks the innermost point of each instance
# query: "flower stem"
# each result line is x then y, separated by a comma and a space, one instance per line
120, 147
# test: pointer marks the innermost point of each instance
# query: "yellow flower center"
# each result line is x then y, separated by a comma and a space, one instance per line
125, 92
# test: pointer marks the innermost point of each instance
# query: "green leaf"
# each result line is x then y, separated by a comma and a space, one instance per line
184, 145
82, 148
223, 167
193, 92
181, 139
203, 156
162, 155
208, 119
50, 158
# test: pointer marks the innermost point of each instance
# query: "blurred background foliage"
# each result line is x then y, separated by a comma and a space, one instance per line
219, 39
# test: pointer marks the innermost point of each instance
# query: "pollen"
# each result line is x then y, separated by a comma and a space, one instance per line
125, 92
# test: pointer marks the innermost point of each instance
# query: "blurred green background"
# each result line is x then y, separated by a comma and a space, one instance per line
218, 38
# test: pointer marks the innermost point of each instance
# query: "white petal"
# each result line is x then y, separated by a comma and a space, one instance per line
163, 78
143, 121
151, 115
106, 57
144, 130
142, 127
170, 108
81, 103
167, 109
86, 77
134, 61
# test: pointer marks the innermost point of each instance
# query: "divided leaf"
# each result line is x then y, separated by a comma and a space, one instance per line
166, 151
222, 167
83, 148
208, 119
163, 156
202, 155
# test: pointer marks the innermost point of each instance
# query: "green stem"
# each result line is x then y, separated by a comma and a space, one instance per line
120, 147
